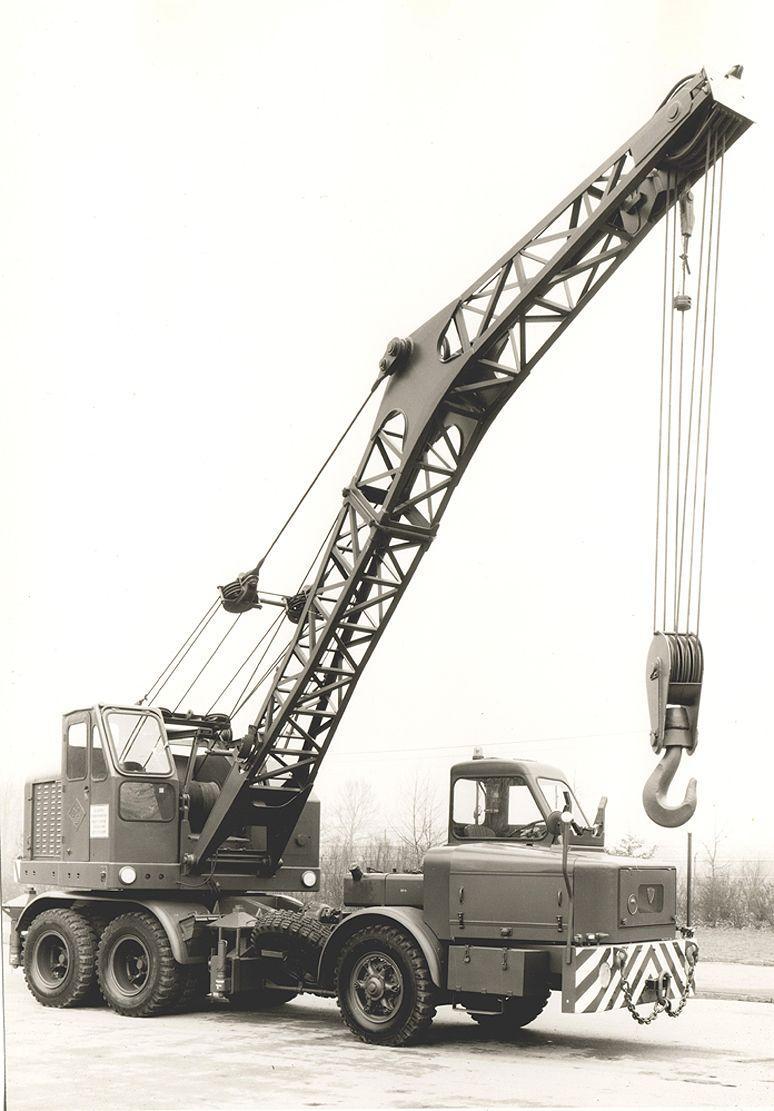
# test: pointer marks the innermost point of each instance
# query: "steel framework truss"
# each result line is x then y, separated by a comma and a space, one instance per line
463, 366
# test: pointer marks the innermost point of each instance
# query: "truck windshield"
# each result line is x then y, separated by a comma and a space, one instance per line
139, 742
557, 794
495, 806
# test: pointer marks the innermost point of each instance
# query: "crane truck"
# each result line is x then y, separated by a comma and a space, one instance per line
164, 861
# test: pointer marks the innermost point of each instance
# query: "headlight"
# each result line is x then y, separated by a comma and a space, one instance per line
127, 874
309, 879
605, 975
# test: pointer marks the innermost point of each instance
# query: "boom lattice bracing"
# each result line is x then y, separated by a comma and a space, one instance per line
460, 369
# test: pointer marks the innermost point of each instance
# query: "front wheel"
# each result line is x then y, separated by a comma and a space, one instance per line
60, 958
385, 993
517, 1012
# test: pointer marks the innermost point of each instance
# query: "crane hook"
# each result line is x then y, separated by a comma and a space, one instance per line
656, 787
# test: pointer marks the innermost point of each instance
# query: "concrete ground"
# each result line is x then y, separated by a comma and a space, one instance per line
718, 1053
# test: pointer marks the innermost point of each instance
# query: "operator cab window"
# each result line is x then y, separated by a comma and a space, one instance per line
98, 764
77, 739
139, 742
500, 808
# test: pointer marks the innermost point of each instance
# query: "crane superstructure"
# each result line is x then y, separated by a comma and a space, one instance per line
149, 848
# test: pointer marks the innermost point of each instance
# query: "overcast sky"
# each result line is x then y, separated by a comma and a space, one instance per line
213, 217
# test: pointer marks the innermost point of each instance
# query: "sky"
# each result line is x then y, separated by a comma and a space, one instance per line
213, 217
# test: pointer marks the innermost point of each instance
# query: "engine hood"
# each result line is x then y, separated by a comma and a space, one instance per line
491, 890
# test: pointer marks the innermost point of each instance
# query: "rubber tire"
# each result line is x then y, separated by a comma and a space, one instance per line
299, 935
164, 989
518, 1012
417, 1010
80, 938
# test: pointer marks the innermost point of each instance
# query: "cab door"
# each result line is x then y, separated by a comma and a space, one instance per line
76, 729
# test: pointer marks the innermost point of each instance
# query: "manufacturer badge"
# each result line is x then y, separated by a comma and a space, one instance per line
76, 814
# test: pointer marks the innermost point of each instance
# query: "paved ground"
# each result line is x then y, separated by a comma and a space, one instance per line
718, 1053
754, 983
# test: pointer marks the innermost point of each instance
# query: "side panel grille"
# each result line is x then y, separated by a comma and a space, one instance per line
46, 819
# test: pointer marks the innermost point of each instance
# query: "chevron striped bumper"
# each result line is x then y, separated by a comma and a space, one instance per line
593, 981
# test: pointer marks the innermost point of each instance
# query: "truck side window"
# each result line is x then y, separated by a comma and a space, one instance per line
98, 764
77, 739
140, 801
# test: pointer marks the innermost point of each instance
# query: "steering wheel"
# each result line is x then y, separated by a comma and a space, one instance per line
532, 829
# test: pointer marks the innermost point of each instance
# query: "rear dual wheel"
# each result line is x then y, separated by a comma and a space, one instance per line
138, 974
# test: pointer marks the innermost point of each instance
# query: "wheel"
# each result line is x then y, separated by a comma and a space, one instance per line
138, 975
300, 939
60, 958
385, 993
517, 1012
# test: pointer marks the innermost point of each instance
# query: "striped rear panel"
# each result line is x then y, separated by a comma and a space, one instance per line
584, 987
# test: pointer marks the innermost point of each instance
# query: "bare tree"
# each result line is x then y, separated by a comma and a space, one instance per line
353, 814
421, 825
632, 845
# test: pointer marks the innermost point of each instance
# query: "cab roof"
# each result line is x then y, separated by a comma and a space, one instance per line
495, 765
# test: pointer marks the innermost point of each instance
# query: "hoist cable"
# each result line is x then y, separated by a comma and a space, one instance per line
208, 661
185, 648
703, 364
691, 409
680, 390
661, 420
325, 463
710, 381
670, 392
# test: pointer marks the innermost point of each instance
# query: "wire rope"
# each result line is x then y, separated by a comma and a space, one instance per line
193, 637
710, 383
208, 661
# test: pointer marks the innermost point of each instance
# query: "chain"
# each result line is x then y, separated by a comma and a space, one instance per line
664, 1004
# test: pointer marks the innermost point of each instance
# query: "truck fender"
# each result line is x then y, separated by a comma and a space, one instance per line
189, 945
410, 919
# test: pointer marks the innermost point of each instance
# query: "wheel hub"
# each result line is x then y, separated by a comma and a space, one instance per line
376, 987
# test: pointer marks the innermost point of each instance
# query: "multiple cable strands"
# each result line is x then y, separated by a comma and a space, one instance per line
238, 598
687, 371
675, 664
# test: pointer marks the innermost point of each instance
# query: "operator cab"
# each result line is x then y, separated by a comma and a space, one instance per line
516, 801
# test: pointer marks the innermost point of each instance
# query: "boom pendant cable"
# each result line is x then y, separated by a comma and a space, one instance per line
184, 648
242, 595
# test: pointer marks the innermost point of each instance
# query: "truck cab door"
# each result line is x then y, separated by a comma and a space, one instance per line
76, 729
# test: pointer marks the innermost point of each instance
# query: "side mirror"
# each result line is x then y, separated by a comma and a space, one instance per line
599, 821
556, 822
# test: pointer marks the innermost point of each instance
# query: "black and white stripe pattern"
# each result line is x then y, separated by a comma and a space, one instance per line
644, 961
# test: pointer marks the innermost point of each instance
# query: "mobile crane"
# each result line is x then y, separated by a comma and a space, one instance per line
166, 849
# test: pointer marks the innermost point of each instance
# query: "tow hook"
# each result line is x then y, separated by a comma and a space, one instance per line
662, 984
662, 987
